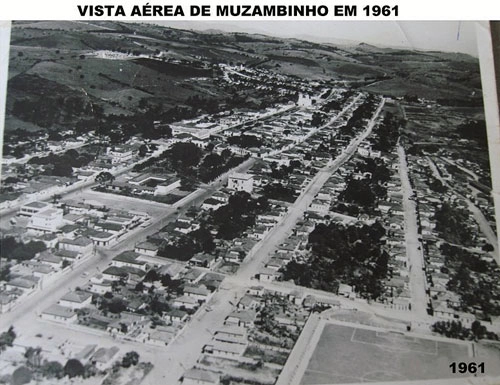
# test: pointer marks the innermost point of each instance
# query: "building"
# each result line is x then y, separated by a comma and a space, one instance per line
33, 207
304, 100
200, 377
76, 300
244, 318
120, 154
103, 358
59, 313
24, 283
148, 248
129, 259
80, 245
224, 349
46, 221
240, 182
186, 302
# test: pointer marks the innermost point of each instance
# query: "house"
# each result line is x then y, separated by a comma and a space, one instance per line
328, 302
268, 275
68, 231
103, 358
200, 377
212, 204
80, 245
128, 258
47, 258
100, 238
86, 353
120, 154
185, 227
441, 310
320, 206
76, 300
68, 255
274, 264
203, 260
114, 273
240, 182
248, 302
194, 275
200, 293
309, 302
256, 291
148, 248
49, 239
345, 290
224, 349
296, 297
100, 285
259, 232
175, 315
58, 313
401, 304
245, 318
7, 301
232, 331
186, 302
23, 283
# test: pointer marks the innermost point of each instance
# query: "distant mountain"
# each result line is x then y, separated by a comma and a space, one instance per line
130, 69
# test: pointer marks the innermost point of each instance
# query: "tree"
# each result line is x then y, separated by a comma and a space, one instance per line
73, 368
478, 330
33, 356
151, 276
317, 119
104, 177
7, 339
62, 169
488, 247
5, 273
143, 150
185, 154
130, 359
53, 369
21, 376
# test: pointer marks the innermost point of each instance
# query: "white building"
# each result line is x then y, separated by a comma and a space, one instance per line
304, 100
46, 221
240, 182
59, 313
76, 300
120, 154
33, 207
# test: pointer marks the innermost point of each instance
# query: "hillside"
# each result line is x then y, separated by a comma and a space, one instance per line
106, 69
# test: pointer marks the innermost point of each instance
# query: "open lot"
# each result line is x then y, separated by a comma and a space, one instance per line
385, 356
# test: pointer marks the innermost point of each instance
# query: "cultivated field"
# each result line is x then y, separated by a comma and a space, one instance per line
350, 355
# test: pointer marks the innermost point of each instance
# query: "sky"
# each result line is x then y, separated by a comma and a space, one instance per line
450, 36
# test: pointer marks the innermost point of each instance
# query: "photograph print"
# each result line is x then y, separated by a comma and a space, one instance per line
257, 203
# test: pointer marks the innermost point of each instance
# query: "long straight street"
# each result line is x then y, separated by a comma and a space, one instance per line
413, 245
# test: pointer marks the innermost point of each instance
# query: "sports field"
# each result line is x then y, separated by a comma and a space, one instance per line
347, 354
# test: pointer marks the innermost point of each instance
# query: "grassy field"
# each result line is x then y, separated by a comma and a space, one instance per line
346, 355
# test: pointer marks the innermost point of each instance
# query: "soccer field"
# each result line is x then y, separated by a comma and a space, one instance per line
347, 354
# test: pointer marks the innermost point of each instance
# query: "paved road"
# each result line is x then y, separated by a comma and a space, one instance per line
413, 245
